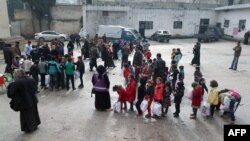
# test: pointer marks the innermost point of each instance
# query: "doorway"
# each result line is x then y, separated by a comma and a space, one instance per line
142, 26
204, 23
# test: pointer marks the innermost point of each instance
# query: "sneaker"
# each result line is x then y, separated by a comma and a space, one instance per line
74, 89
193, 117
148, 116
176, 115
155, 116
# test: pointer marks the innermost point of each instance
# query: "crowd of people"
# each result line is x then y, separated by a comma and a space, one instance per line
145, 78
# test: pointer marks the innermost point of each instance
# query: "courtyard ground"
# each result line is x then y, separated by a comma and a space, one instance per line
71, 116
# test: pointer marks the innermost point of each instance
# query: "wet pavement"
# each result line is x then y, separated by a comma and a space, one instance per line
71, 116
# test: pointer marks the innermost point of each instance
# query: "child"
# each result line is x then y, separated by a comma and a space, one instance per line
179, 92
174, 74
148, 54
61, 75
181, 73
213, 98
149, 96
145, 71
158, 92
197, 74
126, 73
196, 99
27, 65
80, 66
122, 95
203, 85
34, 72
132, 69
173, 53
166, 98
131, 91
43, 71
141, 94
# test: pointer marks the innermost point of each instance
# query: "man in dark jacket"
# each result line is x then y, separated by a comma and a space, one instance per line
159, 67
23, 95
8, 57
94, 54
137, 62
35, 53
80, 66
237, 52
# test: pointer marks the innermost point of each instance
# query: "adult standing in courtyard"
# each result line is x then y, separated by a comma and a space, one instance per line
101, 86
23, 94
237, 52
196, 52
246, 37
8, 58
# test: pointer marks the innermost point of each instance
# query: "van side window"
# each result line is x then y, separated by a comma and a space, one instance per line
128, 33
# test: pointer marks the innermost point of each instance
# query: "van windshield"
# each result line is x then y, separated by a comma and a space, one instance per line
135, 32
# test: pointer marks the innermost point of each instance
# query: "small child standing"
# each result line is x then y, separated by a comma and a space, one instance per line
197, 74
148, 54
131, 91
213, 97
126, 73
158, 92
179, 92
141, 95
149, 96
196, 99
122, 96
166, 98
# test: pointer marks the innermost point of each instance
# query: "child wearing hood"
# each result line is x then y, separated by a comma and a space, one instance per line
178, 94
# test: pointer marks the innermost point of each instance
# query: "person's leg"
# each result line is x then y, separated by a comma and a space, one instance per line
149, 107
72, 81
138, 103
238, 103
231, 110
177, 107
42, 80
67, 81
236, 63
131, 106
81, 79
195, 111
232, 65
51, 81
212, 107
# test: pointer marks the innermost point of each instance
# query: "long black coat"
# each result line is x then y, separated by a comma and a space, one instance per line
8, 55
24, 89
138, 58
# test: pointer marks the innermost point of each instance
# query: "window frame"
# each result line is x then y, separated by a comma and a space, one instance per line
177, 25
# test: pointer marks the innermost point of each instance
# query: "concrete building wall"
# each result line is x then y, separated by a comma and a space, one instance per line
234, 16
161, 18
4, 22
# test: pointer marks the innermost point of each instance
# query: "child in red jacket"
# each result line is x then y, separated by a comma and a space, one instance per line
122, 95
196, 99
126, 72
158, 92
148, 54
131, 91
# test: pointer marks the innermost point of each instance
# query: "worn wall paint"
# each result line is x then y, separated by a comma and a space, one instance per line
4, 22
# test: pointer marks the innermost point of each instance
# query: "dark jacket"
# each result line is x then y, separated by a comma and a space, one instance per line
23, 93
138, 58
237, 51
80, 66
8, 55
159, 67
179, 92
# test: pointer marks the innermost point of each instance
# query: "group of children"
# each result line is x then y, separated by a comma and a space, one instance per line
152, 88
160, 89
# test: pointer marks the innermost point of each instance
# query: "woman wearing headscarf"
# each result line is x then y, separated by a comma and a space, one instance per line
101, 86
196, 52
